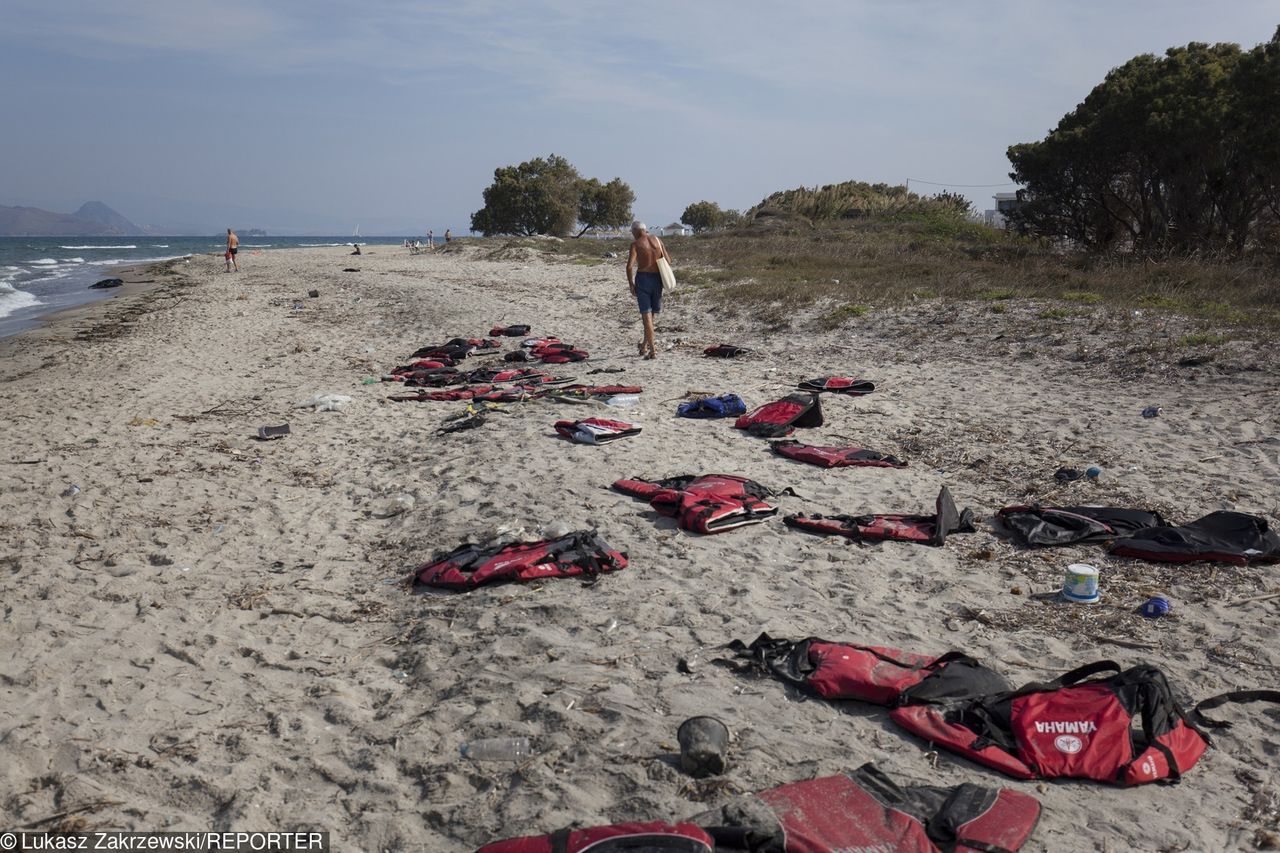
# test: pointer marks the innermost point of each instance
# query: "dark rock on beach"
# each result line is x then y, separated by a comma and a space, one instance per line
106, 283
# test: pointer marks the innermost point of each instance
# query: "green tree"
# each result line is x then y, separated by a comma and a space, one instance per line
704, 215
539, 196
1178, 153
604, 205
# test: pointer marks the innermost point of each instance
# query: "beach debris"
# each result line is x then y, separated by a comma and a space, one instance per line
70, 491
704, 746
268, 433
1080, 584
1155, 607
323, 402
313, 294
556, 529
1093, 472
623, 401
1152, 411
497, 749
147, 422
350, 269
370, 380
106, 283
392, 506
1067, 475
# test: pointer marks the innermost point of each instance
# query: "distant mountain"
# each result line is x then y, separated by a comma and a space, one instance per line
93, 219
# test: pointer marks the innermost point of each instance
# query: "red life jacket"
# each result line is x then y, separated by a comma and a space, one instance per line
596, 430
469, 566
1078, 726
839, 385
865, 810
725, 351
877, 674
711, 503
510, 374
836, 457
920, 529
781, 417
619, 838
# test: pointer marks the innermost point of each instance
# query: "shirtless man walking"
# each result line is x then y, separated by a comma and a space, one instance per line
645, 282
233, 248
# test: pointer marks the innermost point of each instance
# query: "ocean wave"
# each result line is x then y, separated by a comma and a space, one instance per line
111, 262
159, 245
44, 262
12, 299
97, 247
313, 245
73, 260
256, 245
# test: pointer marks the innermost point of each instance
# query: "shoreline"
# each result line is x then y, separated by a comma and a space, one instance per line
216, 629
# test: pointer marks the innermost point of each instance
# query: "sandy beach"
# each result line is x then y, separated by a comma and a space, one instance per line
213, 632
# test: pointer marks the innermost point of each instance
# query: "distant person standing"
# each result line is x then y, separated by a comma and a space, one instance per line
233, 248
448, 235
645, 281
431, 239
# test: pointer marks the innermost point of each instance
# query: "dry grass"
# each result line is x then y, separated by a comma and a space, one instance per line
898, 260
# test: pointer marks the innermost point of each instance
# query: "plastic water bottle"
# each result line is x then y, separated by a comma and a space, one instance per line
497, 749
389, 507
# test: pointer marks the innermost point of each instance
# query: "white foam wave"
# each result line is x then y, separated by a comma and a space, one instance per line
313, 245
159, 245
73, 260
256, 245
12, 299
44, 262
97, 247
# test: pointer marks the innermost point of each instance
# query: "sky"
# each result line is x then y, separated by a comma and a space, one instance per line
312, 116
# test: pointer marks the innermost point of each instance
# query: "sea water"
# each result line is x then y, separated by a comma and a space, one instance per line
40, 275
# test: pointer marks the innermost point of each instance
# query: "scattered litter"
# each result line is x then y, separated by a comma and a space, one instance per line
369, 380
267, 433
1067, 475
147, 422
1152, 411
219, 527
1080, 584
1155, 607
556, 529
71, 491
1093, 472
399, 675
704, 746
497, 749
392, 506
325, 402
314, 294
623, 401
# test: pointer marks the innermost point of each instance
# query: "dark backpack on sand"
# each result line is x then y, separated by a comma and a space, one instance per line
724, 406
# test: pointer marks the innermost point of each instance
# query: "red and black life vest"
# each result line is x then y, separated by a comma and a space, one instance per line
920, 529
517, 331
1046, 525
711, 503
838, 385
596, 430
652, 837
781, 417
596, 390
836, 457
865, 810
1124, 727
469, 566
877, 674
510, 374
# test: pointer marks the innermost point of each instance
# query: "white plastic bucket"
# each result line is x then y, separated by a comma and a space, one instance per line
1080, 583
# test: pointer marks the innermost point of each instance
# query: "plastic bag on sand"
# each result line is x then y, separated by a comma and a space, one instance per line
325, 402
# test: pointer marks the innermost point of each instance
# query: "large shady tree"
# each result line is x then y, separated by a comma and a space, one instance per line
548, 196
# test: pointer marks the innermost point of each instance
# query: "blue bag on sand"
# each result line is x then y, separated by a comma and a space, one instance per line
724, 406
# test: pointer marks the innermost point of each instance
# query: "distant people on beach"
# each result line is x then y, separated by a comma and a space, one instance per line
357, 251
233, 249
431, 239
645, 281
448, 235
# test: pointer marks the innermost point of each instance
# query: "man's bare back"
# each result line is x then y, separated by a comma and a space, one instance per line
645, 252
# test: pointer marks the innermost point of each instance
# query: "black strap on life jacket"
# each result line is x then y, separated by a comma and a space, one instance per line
1222, 699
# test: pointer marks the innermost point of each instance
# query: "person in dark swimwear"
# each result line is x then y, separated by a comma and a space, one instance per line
233, 249
645, 282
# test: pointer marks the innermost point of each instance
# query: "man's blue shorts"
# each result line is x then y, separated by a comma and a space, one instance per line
649, 292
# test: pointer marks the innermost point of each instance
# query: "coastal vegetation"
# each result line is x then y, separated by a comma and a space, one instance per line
548, 196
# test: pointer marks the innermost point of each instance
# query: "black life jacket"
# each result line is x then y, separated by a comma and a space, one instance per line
781, 417
508, 331
725, 351
865, 810
838, 385
711, 503
1219, 537
469, 566
434, 377
651, 837
596, 430
516, 355
836, 457
1125, 727
877, 674
920, 529
1044, 525
453, 353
